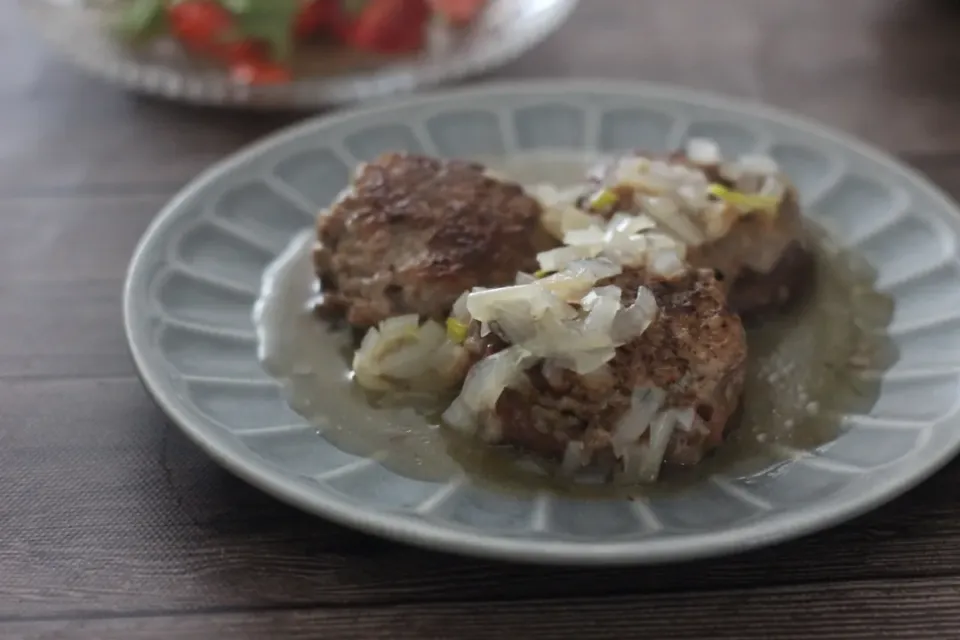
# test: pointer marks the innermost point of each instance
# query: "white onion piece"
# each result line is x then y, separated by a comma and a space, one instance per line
399, 327
489, 377
460, 417
485, 304
630, 170
630, 224
578, 277
408, 362
718, 218
609, 291
549, 194
559, 258
525, 278
685, 418
731, 171
661, 428
586, 362
758, 164
667, 213
626, 240
597, 269
602, 311
703, 151
584, 237
460, 312
666, 263
562, 219
635, 319
484, 384
400, 353
644, 405
567, 341
694, 197
560, 213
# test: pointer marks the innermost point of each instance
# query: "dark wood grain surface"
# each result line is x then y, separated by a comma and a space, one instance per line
112, 525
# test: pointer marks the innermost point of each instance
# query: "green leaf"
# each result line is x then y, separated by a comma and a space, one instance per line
236, 6
271, 21
142, 19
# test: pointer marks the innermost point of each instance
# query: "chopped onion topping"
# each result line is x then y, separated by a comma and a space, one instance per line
560, 211
402, 354
460, 312
703, 151
666, 211
679, 196
641, 455
634, 320
661, 428
563, 319
641, 436
483, 386
644, 404
758, 164
624, 240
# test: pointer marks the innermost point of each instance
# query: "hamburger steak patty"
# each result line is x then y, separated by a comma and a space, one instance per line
763, 260
412, 233
695, 351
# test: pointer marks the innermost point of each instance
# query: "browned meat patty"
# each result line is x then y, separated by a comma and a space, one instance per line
413, 233
763, 260
695, 351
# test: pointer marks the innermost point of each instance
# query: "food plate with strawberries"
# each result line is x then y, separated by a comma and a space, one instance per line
291, 53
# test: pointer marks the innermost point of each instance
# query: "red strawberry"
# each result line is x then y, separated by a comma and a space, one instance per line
200, 24
391, 26
316, 15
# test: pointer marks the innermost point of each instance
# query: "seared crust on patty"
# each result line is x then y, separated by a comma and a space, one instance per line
413, 233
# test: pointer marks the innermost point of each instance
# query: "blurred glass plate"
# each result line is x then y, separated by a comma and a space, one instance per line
325, 76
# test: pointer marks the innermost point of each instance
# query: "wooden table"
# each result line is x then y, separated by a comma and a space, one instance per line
112, 525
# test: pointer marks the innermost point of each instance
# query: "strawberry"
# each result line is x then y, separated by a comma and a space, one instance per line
315, 15
200, 24
391, 26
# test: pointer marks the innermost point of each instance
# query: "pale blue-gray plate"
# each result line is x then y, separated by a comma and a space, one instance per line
197, 273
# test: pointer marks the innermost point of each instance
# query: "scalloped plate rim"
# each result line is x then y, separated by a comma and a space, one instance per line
418, 531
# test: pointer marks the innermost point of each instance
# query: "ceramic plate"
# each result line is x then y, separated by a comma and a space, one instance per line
507, 29
196, 275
